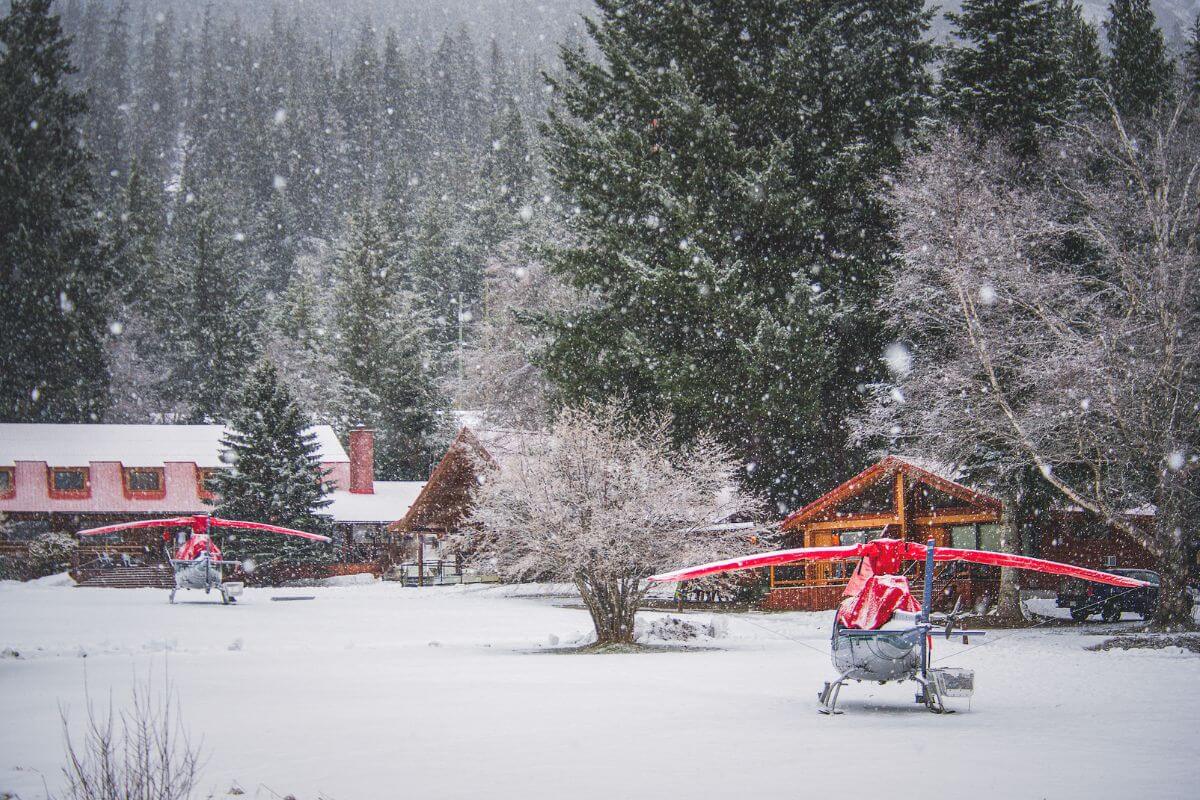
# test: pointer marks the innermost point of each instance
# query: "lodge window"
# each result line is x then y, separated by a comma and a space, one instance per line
70, 483
204, 482
8, 482
144, 482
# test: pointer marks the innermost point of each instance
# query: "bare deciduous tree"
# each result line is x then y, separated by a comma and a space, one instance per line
500, 378
605, 502
1057, 324
142, 753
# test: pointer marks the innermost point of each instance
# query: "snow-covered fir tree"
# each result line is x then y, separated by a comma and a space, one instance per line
1191, 56
1140, 71
110, 95
726, 217
385, 355
212, 333
55, 276
445, 268
274, 472
1009, 72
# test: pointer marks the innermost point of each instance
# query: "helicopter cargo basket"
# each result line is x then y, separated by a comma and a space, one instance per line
953, 681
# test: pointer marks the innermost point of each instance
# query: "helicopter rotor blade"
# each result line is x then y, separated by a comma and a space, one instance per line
172, 522
771, 559
217, 522
1022, 562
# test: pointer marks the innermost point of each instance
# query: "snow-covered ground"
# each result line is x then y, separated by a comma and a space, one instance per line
371, 691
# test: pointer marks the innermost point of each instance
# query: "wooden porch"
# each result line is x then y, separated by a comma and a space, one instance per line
899, 498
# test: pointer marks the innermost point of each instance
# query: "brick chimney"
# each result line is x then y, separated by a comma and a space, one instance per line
362, 461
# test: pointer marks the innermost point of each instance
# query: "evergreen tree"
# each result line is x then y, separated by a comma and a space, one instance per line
384, 355
1009, 74
729, 232
1191, 56
397, 86
506, 177
300, 341
54, 273
445, 269
361, 107
1139, 71
212, 336
111, 97
1085, 60
158, 102
275, 473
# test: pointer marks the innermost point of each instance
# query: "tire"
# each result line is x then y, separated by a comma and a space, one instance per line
1080, 614
1111, 613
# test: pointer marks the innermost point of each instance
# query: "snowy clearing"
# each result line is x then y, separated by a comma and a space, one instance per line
370, 691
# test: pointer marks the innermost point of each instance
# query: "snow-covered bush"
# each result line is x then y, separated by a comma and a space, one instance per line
50, 553
605, 501
47, 554
677, 629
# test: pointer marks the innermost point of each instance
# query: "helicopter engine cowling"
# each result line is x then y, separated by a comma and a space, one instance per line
878, 655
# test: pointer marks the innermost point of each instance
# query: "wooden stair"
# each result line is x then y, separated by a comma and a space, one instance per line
149, 576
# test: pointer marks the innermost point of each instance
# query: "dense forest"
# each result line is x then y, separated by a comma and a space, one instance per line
323, 191
409, 209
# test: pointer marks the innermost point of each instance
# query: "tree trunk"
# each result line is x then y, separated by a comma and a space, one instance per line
1174, 609
1008, 604
613, 607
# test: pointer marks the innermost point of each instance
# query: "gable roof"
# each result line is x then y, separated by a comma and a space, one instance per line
445, 497
68, 445
938, 476
391, 499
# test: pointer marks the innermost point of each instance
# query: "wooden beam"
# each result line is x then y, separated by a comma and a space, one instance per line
900, 504
853, 522
958, 518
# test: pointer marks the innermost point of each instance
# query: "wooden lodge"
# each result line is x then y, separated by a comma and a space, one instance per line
898, 497
420, 537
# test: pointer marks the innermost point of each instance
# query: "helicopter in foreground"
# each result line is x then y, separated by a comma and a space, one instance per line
197, 563
881, 632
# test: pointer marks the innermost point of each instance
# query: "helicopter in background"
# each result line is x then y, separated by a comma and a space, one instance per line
197, 562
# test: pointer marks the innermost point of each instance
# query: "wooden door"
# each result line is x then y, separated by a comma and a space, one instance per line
819, 573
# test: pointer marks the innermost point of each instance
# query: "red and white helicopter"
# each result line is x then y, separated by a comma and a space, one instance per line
197, 562
880, 631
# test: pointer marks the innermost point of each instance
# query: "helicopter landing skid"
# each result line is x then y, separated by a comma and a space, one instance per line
829, 695
930, 696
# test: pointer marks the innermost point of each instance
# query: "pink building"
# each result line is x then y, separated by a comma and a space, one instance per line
65, 477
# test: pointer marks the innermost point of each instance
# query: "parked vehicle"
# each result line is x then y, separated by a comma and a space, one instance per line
1085, 598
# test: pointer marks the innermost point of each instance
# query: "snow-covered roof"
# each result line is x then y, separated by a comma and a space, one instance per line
132, 445
945, 471
390, 502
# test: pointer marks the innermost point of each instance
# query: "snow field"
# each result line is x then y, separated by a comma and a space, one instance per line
373, 691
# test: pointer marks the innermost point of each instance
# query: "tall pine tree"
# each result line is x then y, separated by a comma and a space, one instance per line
1191, 57
111, 98
385, 356
275, 473
213, 334
54, 274
724, 166
1009, 75
1139, 70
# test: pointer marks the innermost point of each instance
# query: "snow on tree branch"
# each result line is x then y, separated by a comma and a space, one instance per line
604, 501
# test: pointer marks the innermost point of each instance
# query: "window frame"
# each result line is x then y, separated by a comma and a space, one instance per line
144, 494
202, 475
11, 491
69, 494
